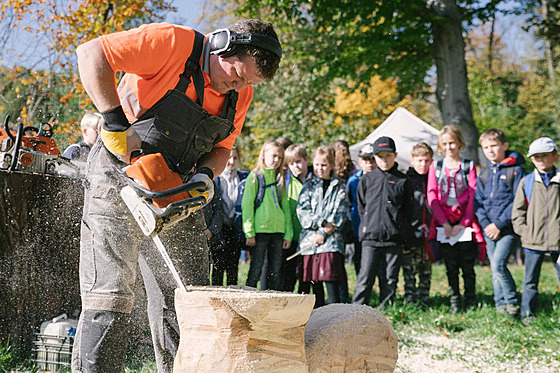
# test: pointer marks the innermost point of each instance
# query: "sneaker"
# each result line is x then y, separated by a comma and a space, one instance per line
528, 320
455, 308
502, 310
512, 310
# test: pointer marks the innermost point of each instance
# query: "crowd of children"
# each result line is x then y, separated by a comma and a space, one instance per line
297, 220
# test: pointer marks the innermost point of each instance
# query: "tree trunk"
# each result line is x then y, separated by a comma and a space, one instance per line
547, 42
240, 329
39, 250
452, 83
350, 338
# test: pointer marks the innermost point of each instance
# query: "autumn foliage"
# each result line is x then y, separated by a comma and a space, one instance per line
53, 92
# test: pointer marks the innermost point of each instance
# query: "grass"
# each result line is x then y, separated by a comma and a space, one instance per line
478, 337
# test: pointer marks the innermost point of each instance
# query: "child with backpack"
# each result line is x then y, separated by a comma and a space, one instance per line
225, 237
495, 190
298, 171
451, 189
322, 209
536, 218
267, 221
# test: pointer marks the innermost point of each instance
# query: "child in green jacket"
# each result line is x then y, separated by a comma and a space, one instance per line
267, 221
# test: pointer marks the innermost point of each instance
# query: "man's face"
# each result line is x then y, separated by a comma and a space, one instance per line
385, 160
298, 166
367, 164
421, 163
544, 161
494, 150
231, 73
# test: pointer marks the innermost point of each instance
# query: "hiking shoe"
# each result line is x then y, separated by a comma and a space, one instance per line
502, 310
528, 320
455, 308
512, 310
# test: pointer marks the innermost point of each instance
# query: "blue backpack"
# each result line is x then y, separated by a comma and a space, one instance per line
528, 186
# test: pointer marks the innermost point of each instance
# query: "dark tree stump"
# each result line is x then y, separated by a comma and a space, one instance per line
39, 252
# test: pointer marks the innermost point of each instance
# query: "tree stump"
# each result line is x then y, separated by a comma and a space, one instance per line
39, 252
350, 338
240, 329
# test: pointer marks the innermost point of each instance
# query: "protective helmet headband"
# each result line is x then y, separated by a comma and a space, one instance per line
223, 42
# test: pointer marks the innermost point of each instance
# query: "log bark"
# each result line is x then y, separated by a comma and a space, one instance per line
452, 84
240, 329
39, 252
350, 338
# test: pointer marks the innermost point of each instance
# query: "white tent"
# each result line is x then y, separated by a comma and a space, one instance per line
406, 130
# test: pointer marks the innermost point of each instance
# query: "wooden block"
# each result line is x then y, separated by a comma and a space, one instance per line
350, 338
241, 329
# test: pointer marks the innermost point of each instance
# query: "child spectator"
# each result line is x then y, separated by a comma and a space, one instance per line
297, 161
536, 218
322, 209
226, 239
451, 188
90, 125
343, 165
495, 191
367, 164
415, 259
384, 202
284, 142
267, 223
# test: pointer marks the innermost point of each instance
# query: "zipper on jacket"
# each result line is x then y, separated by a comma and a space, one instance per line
493, 182
546, 235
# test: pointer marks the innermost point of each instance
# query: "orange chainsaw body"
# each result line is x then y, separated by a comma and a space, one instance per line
151, 171
43, 144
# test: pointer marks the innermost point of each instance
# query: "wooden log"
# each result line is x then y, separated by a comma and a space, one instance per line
240, 329
39, 252
350, 338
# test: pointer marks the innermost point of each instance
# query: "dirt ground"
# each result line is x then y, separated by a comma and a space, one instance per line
429, 353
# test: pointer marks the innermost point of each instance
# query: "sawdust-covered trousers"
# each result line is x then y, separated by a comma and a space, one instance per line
112, 248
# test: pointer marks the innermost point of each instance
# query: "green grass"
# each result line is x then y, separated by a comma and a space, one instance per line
501, 338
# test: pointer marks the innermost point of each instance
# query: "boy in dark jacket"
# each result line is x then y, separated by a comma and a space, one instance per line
384, 200
415, 259
495, 191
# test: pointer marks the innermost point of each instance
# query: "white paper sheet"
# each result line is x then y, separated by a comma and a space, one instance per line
464, 235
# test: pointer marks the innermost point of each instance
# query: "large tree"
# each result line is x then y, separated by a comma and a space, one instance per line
403, 39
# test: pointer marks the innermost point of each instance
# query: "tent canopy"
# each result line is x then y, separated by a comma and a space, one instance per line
406, 130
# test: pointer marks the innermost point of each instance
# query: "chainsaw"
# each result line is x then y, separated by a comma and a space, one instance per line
36, 154
155, 210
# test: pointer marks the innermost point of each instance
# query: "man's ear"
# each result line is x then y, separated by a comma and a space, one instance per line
506, 144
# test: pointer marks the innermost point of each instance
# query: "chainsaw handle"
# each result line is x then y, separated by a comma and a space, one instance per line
31, 128
7, 128
178, 207
45, 130
17, 145
150, 194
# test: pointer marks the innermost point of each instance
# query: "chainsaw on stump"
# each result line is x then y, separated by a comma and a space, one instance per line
36, 153
157, 198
